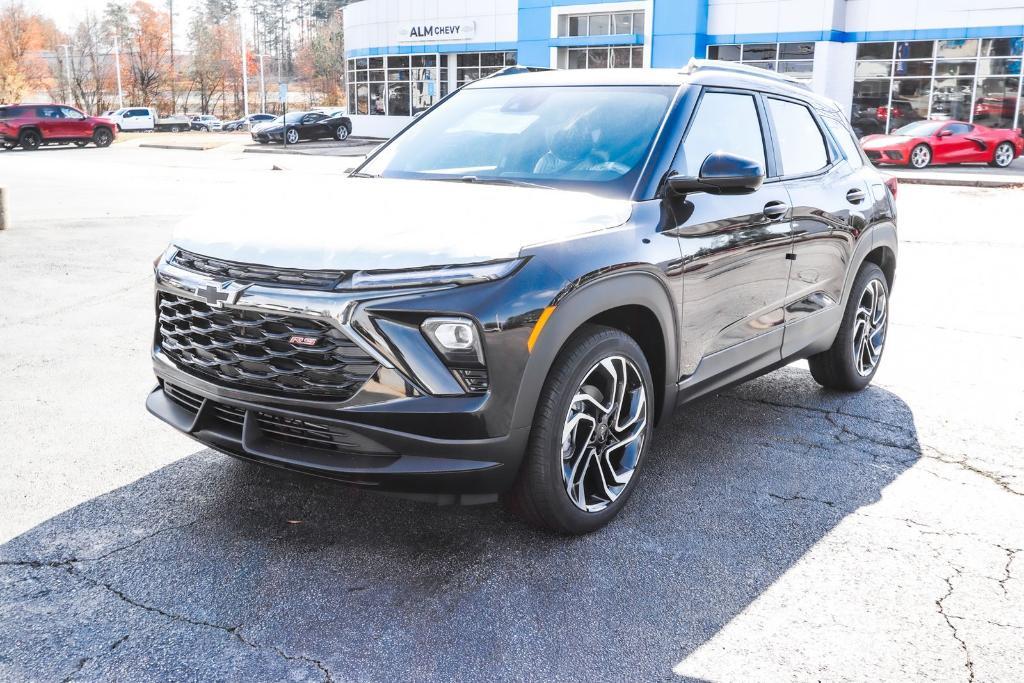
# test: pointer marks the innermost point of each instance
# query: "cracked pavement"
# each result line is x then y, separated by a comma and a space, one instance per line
778, 532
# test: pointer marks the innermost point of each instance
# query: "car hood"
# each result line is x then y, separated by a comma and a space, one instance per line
881, 141
373, 223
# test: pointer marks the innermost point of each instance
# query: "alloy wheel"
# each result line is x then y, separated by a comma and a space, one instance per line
293, 137
603, 434
1004, 155
342, 133
869, 327
920, 157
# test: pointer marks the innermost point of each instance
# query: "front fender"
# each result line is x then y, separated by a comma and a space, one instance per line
572, 309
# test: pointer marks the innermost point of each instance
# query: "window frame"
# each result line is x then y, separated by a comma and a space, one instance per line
826, 138
767, 135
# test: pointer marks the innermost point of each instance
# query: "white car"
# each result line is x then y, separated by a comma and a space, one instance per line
207, 122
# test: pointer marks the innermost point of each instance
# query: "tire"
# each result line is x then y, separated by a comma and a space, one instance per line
857, 351
921, 156
30, 140
102, 137
264, 142
341, 134
291, 136
175, 129
1003, 156
555, 455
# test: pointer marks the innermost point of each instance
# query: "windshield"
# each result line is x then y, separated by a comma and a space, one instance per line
920, 129
593, 138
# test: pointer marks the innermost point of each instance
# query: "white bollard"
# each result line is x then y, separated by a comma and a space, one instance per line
3, 208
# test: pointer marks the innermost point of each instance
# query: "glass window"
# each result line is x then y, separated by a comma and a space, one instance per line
597, 58
362, 99
729, 53
844, 138
377, 104
374, 63
398, 62
957, 48
959, 128
909, 103
800, 140
1002, 47
796, 50
952, 98
621, 57
571, 137
577, 59
999, 67
770, 66
913, 68
875, 50
638, 58
802, 68
622, 24
916, 49
638, 22
759, 52
70, 113
398, 99
873, 69
579, 26
600, 25
995, 101
961, 68
724, 122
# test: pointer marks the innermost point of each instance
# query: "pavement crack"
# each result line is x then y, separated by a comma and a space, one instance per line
797, 496
969, 663
1011, 554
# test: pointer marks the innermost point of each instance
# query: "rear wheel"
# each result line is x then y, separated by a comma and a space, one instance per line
921, 156
853, 360
30, 140
102, 137
1003, 156
341, 134
590, 434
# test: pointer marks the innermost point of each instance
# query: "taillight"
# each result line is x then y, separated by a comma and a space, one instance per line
893, 183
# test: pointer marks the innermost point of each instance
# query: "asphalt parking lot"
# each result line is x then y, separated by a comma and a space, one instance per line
780, 531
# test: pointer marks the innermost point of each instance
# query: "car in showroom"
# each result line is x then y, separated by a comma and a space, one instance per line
298, 126
30, 126
248, 122
504, 300
925, 143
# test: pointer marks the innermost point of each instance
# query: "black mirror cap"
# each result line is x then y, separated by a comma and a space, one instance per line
723, 174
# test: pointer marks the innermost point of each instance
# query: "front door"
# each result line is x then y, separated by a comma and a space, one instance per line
75, 123
734, 248
954, 144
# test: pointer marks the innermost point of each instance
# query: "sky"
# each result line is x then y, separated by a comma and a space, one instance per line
67, 12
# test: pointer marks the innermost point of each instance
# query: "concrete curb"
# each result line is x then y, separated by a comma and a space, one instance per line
191, 148
995, 183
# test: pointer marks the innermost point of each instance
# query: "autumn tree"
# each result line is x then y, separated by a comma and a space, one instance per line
23, 35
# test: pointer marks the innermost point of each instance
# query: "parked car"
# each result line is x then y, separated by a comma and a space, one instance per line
303, 126
32, 125
512, 292
147, 119
252, 120
206, 123
925, 143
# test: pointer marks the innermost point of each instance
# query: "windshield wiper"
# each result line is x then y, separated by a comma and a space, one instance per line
493, 180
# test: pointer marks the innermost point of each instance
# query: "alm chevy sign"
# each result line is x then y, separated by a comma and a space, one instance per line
430, 33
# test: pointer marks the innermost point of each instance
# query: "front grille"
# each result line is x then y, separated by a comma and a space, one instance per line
254, 351
304, 433
186, 399
263, 275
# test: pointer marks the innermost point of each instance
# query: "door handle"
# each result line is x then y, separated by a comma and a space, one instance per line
775, 210
856, 196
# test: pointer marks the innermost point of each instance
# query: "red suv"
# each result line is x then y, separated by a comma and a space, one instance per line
31, 125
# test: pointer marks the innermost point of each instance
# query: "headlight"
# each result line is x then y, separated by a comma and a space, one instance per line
446, 275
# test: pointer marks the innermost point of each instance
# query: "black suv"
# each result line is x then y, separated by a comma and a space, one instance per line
506, 299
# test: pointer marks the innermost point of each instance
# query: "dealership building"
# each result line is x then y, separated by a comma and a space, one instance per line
887, 62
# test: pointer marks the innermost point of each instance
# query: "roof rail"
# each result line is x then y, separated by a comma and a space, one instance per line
698, 65
518, 69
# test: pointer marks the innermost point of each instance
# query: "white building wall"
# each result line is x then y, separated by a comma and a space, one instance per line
834, 65
892, 15
376, 23
731, 17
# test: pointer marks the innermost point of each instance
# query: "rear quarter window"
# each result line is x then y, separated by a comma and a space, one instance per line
846, 141
801, 142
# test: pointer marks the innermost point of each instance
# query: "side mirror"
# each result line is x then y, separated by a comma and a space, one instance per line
723, 174
945, 133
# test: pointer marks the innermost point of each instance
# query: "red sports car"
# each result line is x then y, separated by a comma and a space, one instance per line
923, 143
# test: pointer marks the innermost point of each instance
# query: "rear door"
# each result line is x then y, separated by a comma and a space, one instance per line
734, 248
829, 195
50, 120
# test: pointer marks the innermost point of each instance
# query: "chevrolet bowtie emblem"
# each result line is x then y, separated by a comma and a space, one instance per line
218, 296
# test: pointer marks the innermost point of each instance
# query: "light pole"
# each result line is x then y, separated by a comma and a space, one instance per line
263, 84
245, 65
117, 65
67, 69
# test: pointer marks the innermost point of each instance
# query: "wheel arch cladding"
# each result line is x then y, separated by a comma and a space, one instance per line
638, 303
884, 258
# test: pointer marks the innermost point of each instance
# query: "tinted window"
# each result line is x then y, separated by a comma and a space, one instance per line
800, 140
844, 138
959, 128
49, 113
725, 122
11, 112
138, 112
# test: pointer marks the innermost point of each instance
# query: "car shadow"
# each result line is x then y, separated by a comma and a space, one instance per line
736, 489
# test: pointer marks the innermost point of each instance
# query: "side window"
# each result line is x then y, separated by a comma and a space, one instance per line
138, 112
70, 113
800, 140
844, 138
49, 113
959, 128
724, 122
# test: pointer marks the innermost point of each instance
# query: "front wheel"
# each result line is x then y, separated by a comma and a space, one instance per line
921, 156
853, 360
30, 140
1003, 156
591, 431
292, 136
102, 137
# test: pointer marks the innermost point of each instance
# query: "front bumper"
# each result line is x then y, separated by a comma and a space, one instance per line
267, 137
